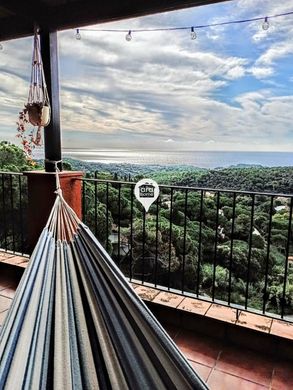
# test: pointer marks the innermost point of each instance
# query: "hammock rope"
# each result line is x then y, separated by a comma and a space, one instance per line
76, 323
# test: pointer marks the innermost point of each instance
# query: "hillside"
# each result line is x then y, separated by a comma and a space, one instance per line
244, 178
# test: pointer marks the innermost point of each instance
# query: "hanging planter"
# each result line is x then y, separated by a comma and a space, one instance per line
37, 110
38, 104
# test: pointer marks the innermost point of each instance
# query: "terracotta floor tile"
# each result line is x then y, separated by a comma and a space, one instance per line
4, 303
7, 281
255, 321
172, 330
282, 328
168, 299
4, 284
200, 349
146, 293
246, 364
222, 381
283, 376
24, 264
202, 370
222, 313
194, 306
8, 292
14, 260
5, 255
3, 316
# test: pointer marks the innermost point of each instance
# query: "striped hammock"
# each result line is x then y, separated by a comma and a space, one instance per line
76, 323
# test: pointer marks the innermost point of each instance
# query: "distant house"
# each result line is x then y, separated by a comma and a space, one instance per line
290, 261
124, 243
256, 232
280, 208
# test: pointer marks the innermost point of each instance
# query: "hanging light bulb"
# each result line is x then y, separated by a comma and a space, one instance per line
128, 36
77, 35
266, 24
193, 34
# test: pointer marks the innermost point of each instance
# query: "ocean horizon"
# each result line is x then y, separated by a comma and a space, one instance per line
200, 159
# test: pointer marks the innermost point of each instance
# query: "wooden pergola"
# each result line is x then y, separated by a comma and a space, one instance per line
18, 19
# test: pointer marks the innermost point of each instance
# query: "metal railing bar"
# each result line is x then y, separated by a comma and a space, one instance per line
199, 243
249, 250
216, 245
231, 248
207, 189
286, 260
184, 240
157, 240
170, 238
268, 254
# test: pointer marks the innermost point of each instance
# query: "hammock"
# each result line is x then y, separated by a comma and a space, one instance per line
76, 323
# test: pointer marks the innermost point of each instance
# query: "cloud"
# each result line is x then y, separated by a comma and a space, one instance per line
261, 72
222, 90
276, 52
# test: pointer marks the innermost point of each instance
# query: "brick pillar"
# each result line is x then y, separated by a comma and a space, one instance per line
41, 197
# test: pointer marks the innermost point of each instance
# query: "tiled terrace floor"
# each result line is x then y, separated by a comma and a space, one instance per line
222, 366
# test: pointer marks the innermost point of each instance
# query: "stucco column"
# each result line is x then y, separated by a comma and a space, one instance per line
41, 197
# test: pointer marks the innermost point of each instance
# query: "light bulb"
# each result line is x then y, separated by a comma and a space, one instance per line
266, 24
193, 34
128, 36
77, 35
1, 47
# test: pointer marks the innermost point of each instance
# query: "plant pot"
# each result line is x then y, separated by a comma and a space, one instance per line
38, 114
45, 116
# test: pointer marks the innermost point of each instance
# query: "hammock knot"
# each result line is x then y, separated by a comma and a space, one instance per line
58, 192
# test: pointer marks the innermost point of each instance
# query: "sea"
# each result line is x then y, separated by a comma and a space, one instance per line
202, 159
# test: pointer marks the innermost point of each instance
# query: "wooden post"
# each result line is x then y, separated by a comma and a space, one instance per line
52, 133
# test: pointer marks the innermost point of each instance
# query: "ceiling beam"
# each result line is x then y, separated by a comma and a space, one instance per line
81, 13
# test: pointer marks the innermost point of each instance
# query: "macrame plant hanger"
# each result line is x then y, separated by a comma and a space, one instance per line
38, 104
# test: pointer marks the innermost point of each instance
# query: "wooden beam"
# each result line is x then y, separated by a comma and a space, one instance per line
52, 133
86, 12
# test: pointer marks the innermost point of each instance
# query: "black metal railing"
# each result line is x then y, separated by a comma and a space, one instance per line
13, 206
230, 247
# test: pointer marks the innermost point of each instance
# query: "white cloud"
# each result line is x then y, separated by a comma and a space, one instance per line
275, 52
261, 72
164, 86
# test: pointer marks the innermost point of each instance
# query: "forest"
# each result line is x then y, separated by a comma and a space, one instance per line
231, 246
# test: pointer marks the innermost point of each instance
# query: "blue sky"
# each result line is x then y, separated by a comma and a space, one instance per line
230, 89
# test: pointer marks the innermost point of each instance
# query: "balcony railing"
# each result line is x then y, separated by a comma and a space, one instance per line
230, 247
13, 216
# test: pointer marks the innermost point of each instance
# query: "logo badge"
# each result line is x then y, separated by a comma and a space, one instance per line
146, 192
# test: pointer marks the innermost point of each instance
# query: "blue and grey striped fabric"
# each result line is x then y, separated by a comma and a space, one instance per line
76, 323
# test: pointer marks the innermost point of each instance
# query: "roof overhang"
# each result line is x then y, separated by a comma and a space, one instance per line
18, 17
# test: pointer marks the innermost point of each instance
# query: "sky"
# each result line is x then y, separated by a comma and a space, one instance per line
230, 89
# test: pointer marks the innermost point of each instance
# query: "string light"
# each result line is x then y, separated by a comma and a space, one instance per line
128, 36
192, 29
266, 24
193, 34
77, 35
